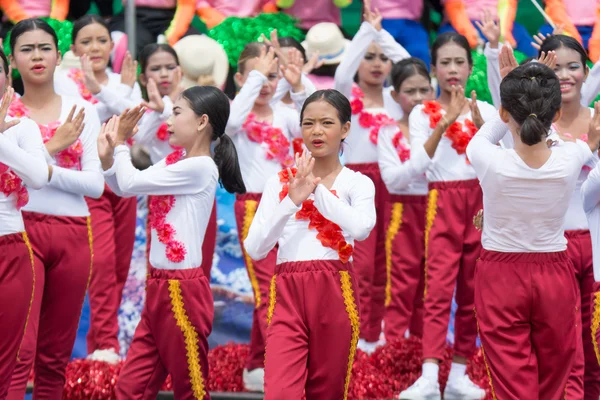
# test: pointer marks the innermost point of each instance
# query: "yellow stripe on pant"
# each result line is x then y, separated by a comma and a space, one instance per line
430, 216
32, 260
250, 207
393, 229
348, 294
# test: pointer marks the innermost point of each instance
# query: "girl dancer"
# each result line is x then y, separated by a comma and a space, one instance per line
22, 167
452, 244
370, 56
57, 216
526, 194
262, 132
161, 76
177, 317
314, 215
113, 218
403, 173
574, 122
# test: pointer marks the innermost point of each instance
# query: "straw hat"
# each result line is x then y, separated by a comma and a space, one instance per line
202, 59
328, 40
69, 60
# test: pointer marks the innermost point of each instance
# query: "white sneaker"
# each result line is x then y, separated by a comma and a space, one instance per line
366, 347
109, 356
463, 389
254, 381
422, 389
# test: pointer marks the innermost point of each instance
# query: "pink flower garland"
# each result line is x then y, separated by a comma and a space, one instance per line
366, 119
77, 76
68, 158
159, 207
401, 146
277, 145
11, 183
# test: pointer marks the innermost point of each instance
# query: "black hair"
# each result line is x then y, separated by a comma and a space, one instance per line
335, 99
288, 41
152, 48
448, 37
555, 42
4, 62
214, 103
86, 20
528, 60
406, 68
28, 25
531, 95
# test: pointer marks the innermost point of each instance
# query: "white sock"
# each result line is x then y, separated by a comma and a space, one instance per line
430, 371
457, 371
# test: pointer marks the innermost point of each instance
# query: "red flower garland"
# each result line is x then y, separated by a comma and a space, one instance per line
366, 119
158, 208
329, 234
11, 183
459, 138
68, 158
76, 76
401, 146
277, 145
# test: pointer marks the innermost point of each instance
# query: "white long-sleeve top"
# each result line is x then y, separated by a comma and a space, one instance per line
589, 90
275, 222
358, 148
406, 177
590, 194
148, 127
524, 208
113, 99
298, 99
256, 169
447, 164
193, 183
22, 150
64, 194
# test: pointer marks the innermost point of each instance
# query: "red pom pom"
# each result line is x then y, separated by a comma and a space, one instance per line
91, 380
176, 251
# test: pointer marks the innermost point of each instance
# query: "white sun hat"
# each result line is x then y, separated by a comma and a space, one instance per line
328, 40
202, 59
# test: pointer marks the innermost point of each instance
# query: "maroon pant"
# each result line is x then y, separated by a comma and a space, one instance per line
113, 223
369, 261
313, 331
584, 382
171, 338
526, 307
452, 245
62, 250
260, 273
17, 277
208, 245
405, 256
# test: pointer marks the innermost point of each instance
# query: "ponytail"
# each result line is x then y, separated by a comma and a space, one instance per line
226, 158
532, 130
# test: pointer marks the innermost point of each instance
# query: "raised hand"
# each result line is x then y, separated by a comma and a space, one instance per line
106, 143
373, 18
177, 85
129, 70
458, 101
304, 183
548, 59
538, 40
67, 133
127, 124
155, 101
274, 43
88, 73
313, 63
266, 61
507, 60
490, 29
594, 129
6, 100
475, 113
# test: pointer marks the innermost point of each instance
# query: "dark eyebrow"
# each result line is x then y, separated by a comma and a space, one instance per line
33, 45
176, 108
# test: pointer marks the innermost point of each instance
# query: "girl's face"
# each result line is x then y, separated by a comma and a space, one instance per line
184, 125
452, 67
413, 91
35, 56
374, 67
3, 78
94, 41
162, 68
571, 73
268, 89
322, 129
